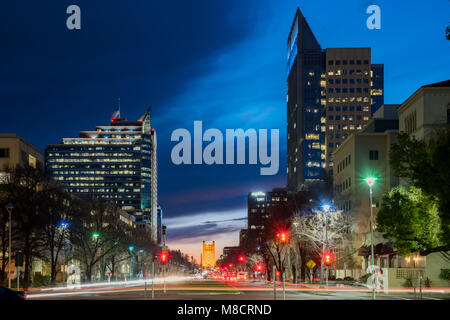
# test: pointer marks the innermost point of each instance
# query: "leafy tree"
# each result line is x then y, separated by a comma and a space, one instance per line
25, 189
410, 220
425, 166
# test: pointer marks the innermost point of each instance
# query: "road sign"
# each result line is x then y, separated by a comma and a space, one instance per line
311, 264
19, 259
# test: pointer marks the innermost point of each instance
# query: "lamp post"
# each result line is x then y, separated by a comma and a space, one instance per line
370, 182
325, 208
131, 248
9, 207
63, 225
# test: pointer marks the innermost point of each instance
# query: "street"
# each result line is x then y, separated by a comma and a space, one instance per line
206, 289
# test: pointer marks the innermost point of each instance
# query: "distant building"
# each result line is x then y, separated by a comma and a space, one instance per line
331, 93
231, 251
116, 162
208, 255
259, 206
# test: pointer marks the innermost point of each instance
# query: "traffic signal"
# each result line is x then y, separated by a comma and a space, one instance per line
328, 258
282, 236
163, 257
259, 267
241, 258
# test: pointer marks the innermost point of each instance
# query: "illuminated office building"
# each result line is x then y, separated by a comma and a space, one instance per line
331, 93
116, 162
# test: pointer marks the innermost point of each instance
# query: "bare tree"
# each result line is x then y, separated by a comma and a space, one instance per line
321, 230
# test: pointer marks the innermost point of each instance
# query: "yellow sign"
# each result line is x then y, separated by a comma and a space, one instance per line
311, 264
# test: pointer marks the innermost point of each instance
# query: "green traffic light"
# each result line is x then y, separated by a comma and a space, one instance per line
95, 235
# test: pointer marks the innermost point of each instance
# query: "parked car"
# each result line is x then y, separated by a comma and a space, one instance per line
8, 294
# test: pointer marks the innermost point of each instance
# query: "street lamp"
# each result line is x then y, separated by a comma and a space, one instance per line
9, 207
63, 225
326, 208
370, 182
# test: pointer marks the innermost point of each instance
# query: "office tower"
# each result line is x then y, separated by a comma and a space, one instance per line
260, 206
305, 76
116, 162
330, 94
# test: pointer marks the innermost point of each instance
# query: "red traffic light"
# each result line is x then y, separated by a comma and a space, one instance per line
241, 258
259, 267
230, 265
328, 258
282, 236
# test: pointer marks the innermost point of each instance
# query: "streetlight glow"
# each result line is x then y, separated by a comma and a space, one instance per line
370, 181
95, 235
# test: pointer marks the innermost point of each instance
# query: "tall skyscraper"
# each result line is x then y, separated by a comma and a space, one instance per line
331, 93
305, 77
116, 162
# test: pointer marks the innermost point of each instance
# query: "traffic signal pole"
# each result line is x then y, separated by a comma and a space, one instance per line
153, 280
274, 283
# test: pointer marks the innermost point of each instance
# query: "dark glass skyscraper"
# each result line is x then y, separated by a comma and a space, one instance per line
116, 162
305, 76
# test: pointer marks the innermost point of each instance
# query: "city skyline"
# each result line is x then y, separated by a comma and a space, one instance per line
190, 75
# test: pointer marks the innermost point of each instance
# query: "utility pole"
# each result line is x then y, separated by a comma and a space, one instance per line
153, 279
274, 283
284, 285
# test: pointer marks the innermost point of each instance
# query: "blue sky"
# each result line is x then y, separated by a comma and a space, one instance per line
222, 62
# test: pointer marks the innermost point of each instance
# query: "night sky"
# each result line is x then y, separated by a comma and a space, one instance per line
222, 62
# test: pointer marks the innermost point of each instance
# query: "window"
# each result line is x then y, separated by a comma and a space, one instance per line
366, 90
338, 117
366, 81
352, 108
358, 61
352, 90
448, 113
373, 155
330, 62
358, 108
338, 108
344, 62
344, 81
338, 81
344, 90
330, 145
344, 108
338, 62
330, 108
366, 61
352, 61
352, 81
330, 117
330, 81
4, 152
330, 90
358, 90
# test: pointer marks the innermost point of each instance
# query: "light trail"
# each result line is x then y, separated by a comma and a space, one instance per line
120, 283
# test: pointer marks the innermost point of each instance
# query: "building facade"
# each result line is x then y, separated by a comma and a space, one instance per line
259, 211
363, 154
426, 111
331, 93
14, 151
116, 162
208, 255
